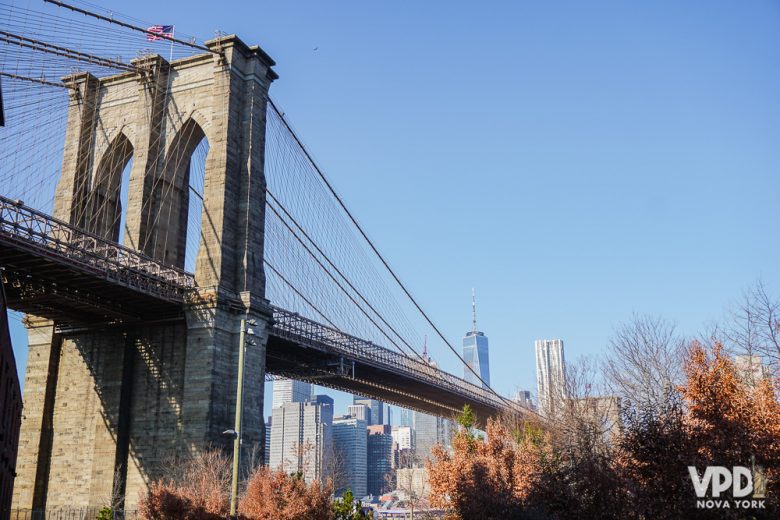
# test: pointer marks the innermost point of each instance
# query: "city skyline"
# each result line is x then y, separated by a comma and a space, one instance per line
187, 224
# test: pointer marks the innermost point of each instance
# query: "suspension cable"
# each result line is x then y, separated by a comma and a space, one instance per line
376, 251
130, 26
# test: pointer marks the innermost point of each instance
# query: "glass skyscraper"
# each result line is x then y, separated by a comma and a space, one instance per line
475, 351
376, 407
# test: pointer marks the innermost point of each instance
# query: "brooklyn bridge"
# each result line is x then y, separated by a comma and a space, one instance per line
151, 204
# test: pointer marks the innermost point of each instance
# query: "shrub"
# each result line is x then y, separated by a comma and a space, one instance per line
275, 495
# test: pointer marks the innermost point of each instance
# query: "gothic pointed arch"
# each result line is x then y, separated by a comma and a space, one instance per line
105, 209
172, 224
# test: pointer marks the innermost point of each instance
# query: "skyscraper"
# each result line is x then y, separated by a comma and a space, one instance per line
750, 369
475, 351
405, 417
523, 398
267, 452
379, 463
360, 411
376, 407
350, 443
429, 431
290, 391
301, 437
550, 374
403, 446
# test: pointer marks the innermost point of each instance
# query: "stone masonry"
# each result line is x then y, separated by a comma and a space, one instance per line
108, 407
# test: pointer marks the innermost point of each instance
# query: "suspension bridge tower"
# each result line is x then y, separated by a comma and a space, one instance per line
110, 402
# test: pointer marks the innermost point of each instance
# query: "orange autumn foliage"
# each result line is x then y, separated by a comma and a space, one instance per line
201, 491
713, 419
275, 495
489, 478
728, 422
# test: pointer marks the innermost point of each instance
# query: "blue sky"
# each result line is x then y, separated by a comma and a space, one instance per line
574, 161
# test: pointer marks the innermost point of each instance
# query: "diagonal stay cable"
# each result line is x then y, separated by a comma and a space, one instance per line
376, 251
340, 273
338, 284
299, 293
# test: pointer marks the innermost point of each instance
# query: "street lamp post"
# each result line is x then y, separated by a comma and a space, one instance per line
236, 433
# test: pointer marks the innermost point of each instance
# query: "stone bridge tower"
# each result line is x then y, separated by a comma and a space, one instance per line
108, 406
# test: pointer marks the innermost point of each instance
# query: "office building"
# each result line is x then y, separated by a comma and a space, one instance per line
376, 407
475, 351
360, 411
405, 417
414, 481
550, 375
290, 391
301, 438
429, 431
267, 452
379, 463
403, 437
750, 369
350, 443
524, 399
403, 446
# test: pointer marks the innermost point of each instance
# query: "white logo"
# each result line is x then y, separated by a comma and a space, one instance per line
719, 479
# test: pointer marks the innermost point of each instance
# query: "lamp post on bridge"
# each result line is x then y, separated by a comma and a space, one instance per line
236, 431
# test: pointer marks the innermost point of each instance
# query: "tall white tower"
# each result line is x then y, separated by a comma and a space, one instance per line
550, 374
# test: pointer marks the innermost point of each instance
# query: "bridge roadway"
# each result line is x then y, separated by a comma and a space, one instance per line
52, 269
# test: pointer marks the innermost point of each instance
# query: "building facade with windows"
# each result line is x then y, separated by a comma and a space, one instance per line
350, 443
380, 460
301, 438
550, 375
476, 352
376, 406
290, 391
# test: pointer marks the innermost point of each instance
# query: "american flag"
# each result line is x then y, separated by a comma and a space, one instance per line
161, 30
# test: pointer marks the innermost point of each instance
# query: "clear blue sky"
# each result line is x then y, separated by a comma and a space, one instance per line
573, 161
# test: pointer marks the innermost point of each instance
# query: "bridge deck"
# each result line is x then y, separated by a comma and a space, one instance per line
304, 349
53, 269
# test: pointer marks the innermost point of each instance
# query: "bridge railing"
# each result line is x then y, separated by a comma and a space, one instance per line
298, 328
33, 229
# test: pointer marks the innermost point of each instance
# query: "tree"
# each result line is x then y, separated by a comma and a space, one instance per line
729, 422
347, 507
713, 419
753, 328
483, 477
275, 495
200, 490
652, 455
644, 360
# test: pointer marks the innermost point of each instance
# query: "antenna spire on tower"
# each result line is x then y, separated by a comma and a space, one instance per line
474, 309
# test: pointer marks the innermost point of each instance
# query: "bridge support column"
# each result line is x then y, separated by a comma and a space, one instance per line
75, 179
32, 463
211, 377
111, 405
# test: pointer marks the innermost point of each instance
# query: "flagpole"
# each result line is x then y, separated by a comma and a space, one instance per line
173, 35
